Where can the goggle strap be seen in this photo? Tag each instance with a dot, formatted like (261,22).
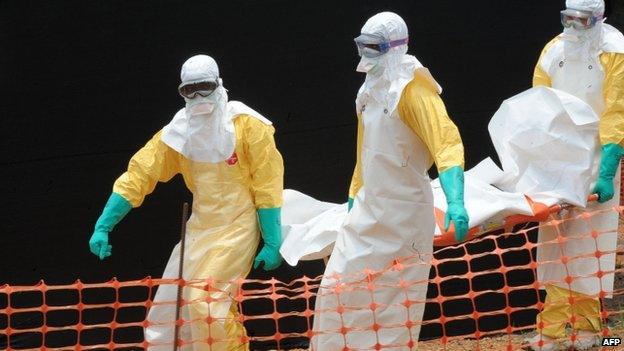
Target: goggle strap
(399,42)
(391,44)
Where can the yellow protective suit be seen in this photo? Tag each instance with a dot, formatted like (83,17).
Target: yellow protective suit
(586,309)
(421,108)
(222,233)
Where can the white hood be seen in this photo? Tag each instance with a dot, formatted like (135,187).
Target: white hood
(388,74)
(203,130)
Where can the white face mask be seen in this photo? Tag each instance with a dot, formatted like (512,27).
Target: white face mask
(205,108)
(370,66)
(575,35)
(200,105)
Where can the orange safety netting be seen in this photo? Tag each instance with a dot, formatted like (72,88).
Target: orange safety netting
(486,287)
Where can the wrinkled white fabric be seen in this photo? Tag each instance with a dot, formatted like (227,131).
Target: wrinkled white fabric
(195,145)
(612,39)
(314,226)
(203,131)
(543,138)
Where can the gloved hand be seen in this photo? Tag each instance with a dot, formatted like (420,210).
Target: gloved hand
(115,210)
(452,181)
(609,162)
(350,204)
(271,229)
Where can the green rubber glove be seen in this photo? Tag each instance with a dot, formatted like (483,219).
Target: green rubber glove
(452,181)
(350,204)
(115,210)
(271,229)
(609,162)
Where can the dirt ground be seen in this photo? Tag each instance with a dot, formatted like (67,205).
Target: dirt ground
(494,343)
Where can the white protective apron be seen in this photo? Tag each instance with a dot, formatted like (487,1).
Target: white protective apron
(392,217)
(585,80)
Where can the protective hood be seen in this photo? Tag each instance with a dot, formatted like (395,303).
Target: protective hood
(582,44)
(596,7)
(611,41)
(203,130)
(589,44)
(388,74)
(585,45)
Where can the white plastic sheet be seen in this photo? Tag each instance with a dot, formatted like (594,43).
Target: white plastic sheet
(547,141)
(309,227)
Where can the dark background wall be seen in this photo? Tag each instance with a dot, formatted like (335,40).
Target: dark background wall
(84,84)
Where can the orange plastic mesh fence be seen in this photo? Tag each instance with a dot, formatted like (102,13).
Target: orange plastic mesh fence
(486,287)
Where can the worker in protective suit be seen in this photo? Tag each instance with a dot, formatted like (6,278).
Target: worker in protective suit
(403,127)
(227,156)
(587,61)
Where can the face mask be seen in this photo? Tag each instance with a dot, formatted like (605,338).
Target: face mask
(370,66)
(574,35)
(205,108)
(200,105)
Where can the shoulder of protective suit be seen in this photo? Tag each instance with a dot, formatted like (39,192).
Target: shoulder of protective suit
(157,140)
(420,86)
(180,112)
(612,40)
(237,108)
(552,42)
(552,51)
(177,119)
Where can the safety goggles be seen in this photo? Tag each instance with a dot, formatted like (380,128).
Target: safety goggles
(204,89)
(374,46)
(580,20)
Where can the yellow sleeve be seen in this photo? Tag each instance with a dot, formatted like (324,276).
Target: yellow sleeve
(540,77)
(422,109)
(356,180)
(612,120)
(155,162)
(265,163)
